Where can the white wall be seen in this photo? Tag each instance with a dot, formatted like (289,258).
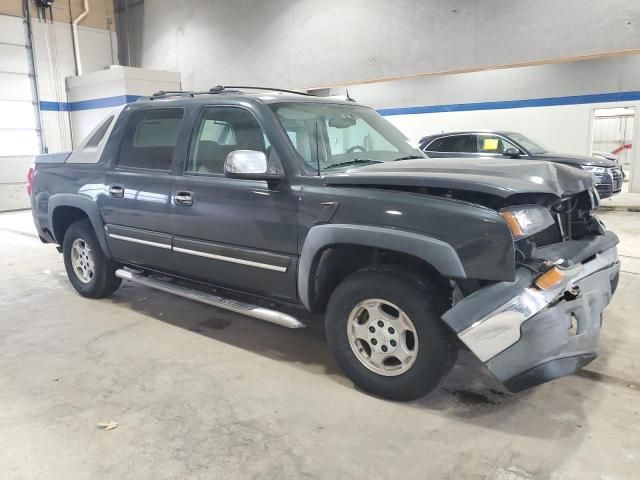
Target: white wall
(562,128)
(475,100)
(18,125)
(307,43)
(116,83)
(13,174)
(129,24)
(55,61)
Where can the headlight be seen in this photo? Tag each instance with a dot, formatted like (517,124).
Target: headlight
(594,169)
(525,220)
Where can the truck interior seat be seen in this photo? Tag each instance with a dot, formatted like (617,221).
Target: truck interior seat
(210,157)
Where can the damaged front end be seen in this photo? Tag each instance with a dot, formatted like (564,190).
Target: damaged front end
(546,323)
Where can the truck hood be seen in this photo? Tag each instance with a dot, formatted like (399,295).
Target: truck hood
(577,160)
(500,177)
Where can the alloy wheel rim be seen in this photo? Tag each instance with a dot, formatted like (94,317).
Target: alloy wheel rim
(82,261)
(382,337)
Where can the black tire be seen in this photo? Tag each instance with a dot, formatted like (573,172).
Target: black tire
(103,281)
(422,302)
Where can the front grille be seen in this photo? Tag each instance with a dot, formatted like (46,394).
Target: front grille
(616,178)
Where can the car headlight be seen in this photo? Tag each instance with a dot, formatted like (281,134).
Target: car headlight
(593,169)
(526,220)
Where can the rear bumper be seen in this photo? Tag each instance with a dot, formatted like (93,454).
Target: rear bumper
(526,336)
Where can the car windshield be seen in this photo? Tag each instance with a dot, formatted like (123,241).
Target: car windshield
(534,148)
(333,136)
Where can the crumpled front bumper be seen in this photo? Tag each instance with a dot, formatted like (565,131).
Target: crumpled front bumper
(526,336)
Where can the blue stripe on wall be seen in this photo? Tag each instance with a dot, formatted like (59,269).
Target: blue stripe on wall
(88,104)
(455,107)
(54,106)
(531,102)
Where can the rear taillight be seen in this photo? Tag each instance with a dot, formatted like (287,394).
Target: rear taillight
(30,178)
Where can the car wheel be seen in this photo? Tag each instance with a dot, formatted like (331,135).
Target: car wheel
(383,326)
(90,272)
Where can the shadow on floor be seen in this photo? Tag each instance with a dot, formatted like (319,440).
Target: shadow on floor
(469,394)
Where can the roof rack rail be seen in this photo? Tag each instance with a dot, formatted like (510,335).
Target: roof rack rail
(270,89)
(168,93)
(215,90)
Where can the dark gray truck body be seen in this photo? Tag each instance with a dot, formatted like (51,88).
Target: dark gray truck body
(273,239)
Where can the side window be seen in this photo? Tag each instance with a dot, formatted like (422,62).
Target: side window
(150,139)
(458,143)
(218,132)
(97,137)
(493,144)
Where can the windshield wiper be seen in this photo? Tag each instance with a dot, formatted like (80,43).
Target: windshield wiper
(355,161)
(408,157)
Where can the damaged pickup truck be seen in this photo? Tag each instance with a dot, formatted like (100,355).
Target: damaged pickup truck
(277,205)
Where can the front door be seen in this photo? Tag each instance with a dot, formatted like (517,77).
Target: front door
(137,205)
(235,233)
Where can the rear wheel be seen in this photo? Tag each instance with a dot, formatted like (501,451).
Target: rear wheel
(90,272)
(384,328)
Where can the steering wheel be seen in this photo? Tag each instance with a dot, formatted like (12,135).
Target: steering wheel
(355,148)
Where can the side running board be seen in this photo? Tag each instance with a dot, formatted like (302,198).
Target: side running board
(242,308)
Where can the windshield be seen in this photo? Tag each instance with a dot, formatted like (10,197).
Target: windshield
(534,148)
(332,136)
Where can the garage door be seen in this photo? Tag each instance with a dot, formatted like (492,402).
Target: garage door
(19,139)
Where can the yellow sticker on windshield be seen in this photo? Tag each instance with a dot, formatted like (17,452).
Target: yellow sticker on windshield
(490,144)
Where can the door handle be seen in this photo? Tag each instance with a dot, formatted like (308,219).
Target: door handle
(116,191)
(183,198)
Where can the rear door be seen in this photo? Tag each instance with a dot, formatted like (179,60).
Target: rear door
(137,206)
(235,233)
(462,145)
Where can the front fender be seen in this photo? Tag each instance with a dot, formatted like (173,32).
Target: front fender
(437,253)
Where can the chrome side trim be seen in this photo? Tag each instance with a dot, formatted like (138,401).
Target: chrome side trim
(247,309)
(223,258)
(142,242)
(500,329)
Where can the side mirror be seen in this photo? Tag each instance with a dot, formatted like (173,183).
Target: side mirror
(511,152)
(250,165)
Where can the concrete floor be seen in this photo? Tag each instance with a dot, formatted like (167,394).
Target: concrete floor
(199,393)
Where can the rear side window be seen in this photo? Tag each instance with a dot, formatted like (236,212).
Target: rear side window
(457,143)
(150,139)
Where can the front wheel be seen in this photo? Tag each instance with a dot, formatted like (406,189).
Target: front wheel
(384,329)
(90,272)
